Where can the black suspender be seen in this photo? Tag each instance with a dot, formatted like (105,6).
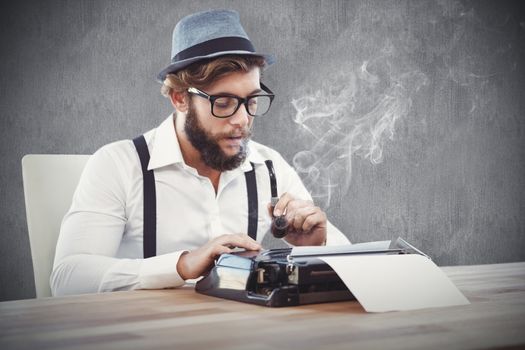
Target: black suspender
(251,189)
(273,180)
(150,201)
(253,210)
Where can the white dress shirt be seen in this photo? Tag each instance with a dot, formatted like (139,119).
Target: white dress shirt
(100,244)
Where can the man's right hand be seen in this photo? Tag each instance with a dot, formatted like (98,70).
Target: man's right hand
(195,263)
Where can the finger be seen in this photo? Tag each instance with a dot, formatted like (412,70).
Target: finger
(220,249)
(313,220)
(281,205)
(297,204)
(298,216)
(238,240)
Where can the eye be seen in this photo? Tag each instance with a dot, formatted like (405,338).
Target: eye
(225,102)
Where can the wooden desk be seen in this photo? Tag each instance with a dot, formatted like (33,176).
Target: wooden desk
(183,319)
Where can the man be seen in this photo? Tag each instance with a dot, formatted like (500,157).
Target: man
(156,211)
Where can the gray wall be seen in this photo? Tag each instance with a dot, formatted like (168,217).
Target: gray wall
(405,118)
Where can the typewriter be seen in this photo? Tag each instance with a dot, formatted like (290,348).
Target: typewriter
(289,276)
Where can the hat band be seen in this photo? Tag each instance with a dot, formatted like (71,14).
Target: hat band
(229,43)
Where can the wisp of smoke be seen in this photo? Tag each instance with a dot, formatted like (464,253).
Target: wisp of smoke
(352,113)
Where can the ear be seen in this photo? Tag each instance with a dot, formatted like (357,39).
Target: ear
(180,101)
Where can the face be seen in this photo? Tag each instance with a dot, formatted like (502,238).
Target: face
(222,142)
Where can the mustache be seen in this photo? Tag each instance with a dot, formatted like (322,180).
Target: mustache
(243,133)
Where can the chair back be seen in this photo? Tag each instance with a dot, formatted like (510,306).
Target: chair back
(49,183)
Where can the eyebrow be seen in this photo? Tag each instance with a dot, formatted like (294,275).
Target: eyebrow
(230,94)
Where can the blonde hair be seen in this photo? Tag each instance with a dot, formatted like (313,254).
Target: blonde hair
(200,75)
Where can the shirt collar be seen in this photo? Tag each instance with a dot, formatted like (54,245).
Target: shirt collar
(253,157)
(166,150)
(165,146)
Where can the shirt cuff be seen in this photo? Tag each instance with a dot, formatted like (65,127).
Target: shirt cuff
(160,271)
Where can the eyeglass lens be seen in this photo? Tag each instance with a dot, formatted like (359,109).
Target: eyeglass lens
(226,106)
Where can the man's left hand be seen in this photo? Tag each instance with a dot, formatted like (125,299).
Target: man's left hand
(306,222)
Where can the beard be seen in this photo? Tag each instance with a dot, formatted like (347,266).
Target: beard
(208,145)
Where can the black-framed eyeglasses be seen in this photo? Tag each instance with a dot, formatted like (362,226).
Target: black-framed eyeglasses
(225,105)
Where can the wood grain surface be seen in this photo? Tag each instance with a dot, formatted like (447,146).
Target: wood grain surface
(183,319)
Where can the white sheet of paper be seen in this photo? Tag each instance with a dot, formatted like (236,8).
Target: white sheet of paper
(337,249)
(395,282)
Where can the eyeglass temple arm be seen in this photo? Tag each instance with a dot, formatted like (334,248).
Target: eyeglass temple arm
(266,88)
(198,92)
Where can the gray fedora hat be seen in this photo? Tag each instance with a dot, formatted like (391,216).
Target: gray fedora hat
(209,34)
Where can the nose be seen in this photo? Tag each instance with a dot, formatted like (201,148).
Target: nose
(240,117)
